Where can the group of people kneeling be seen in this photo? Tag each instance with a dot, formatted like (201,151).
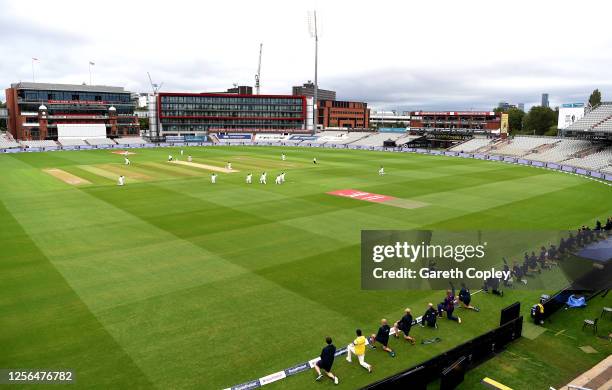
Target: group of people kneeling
(382,336)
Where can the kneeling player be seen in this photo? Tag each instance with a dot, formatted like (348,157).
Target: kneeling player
(430,317)
(382,336)
(357,348)
(328,353)
(404,325)
(465,297)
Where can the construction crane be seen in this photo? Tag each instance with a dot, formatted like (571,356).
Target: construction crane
(258,75)
(154,87)
(153,125)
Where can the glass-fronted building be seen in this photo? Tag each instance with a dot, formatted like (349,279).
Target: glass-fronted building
(68,104)
(200,113)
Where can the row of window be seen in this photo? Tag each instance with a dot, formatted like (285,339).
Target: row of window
(235,114)
(226,107)
(230,100)
(244,122)
(193,127)
(71,95)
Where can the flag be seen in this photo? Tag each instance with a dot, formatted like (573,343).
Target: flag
(91,63)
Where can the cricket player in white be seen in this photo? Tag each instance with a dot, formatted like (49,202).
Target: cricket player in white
(249,178)
(314,160)
(181,152)
(121,180)
(262,178)
(169,157)
(213,178)
(381,171)
(127,161)
(277,180)
(229,166)
(189,159)
(283,157)
(282,177)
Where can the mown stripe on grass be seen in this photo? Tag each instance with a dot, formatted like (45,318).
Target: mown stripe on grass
(46,324)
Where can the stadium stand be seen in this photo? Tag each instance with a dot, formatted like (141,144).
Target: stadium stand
(71,142)
(332,137)
(562,150)
(377,139)
(595,161)
(234,141)
(7,142)
(100,141)
(472,145)
(271,137)
(38,144)
(520,146)
(594,120)
(404,139)
(131,141)
(352,137)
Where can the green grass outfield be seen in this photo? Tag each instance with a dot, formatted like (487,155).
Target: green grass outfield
(172,282)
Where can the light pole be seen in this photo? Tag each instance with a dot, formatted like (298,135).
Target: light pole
(90,65)
(34,59)
(315,34)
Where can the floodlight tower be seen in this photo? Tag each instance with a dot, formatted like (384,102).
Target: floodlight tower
(153,114)
(314,33)
(258,75)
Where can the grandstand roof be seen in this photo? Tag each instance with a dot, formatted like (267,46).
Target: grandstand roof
(68,87)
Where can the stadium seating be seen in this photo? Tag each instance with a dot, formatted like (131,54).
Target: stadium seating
(472,145)
(595,161)
(71,142)
(404,139)
(601,115)
(100,141)
(38,144)
(377,139)
(351,137)
(332,137)
(562,150)
(520,146)
(7,142)
(131,141)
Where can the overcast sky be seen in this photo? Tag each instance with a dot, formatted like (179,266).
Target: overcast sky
(393,54)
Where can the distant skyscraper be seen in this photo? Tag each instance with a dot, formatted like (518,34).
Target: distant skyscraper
(545,100)
(503,105)
(521,106)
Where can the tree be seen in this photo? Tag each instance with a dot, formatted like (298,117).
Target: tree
(144,123)
(515,119)
(595,98)
(539,120)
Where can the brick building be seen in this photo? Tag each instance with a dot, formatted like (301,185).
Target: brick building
(471,121)
(37,110)
(336,113)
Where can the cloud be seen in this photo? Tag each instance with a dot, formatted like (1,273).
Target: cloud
(404,55)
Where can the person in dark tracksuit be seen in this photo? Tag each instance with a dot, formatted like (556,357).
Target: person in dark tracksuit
(449,306)
(430,317)
(465,297)
(404,325)
(382,337)
(328,353)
